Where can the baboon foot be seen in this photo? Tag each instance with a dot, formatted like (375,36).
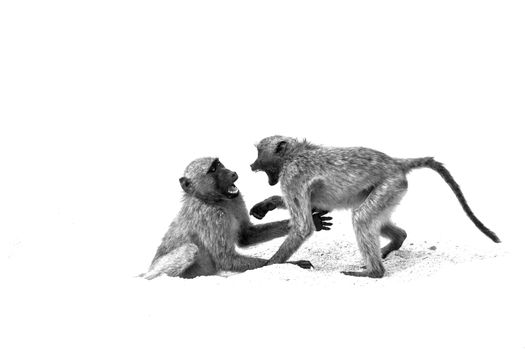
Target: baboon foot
(396,235)
(303,264)
(385,252)
(371,274)
(389,248)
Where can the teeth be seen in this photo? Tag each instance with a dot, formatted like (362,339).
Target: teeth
(233,189)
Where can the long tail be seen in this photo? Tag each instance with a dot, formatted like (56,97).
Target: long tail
(429,162)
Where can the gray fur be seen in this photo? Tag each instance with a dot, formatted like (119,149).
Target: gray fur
(367,181)
(202,239)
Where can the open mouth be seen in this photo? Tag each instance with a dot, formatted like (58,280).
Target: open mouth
(233,189)
(272,179)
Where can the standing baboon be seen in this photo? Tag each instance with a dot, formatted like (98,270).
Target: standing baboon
(212,221)
(367,181)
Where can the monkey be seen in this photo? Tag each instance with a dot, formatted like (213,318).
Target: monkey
(368,182)
(212,221)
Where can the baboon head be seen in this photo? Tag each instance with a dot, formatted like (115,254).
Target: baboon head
(208,179)
(271,154)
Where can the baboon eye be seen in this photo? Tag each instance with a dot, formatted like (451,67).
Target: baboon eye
(280,147)
(214,166)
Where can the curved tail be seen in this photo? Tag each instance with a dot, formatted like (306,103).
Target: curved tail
(429,162)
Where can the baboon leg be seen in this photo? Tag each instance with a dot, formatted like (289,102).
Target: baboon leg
(203,265)
(367,236)
(241,263)
(173,263)
(368,219)
(395,234)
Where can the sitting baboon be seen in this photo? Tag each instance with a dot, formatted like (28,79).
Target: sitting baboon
(367,181)
(212,221)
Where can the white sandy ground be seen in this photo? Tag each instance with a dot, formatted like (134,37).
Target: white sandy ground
(467,293)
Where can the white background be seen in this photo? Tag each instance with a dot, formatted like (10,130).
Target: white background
(104,103)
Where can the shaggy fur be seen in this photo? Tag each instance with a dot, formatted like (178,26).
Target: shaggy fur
(211,223)
(367,181)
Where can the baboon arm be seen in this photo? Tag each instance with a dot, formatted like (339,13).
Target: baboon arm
(290,245)
(278,201)
(301,224)
(260,209)
(174,262)
(254,234)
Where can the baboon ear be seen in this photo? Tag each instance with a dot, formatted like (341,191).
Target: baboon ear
(281,147)
(185,183)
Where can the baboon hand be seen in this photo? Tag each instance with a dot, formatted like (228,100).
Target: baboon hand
(303,264)
(260,209)
(321,221)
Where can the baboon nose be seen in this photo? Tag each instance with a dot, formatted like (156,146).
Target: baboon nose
(253,167)
(235,176)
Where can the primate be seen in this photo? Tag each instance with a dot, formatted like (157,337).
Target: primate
(212,221)
(364,180)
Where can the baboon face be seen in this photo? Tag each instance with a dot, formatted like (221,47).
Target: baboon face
(208,178)
(224,179)
(270,157)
